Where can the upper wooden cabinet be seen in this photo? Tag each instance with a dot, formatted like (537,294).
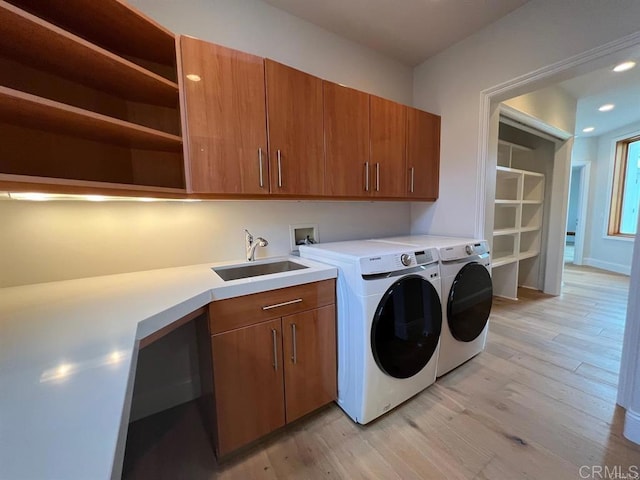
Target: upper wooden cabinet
(294,119)
(387,174)
(423,154)
(346,137)
(97,110)
(225,112)
(111,107)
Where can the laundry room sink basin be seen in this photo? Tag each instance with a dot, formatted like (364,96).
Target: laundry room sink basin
(236,272)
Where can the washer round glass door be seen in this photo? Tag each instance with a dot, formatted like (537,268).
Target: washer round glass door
(406,327)
(469,302)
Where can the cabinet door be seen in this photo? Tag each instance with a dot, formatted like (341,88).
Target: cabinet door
(226,119)
(346,137)
(388,141)
(294,111)
(309,360)
(423,154)
(248,383)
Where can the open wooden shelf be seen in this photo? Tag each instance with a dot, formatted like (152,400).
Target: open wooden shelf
(40,44)
(528,254)
(506,172)
(110,24)
(518,220)
(505,231)
(504,260)
(30,111)
(26,183)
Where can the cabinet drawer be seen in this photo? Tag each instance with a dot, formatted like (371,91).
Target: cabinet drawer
(249,309)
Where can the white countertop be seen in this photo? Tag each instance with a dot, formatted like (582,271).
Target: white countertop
(67,353)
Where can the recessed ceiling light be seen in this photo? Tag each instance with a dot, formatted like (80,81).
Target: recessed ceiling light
(607,107)
(624,66)
(193,77)
(588,129)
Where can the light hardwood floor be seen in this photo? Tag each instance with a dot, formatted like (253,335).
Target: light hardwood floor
(538,404)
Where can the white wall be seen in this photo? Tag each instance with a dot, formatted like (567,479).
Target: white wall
(539,34)
(600,250)
(47,241)
(553,105)
(259,28)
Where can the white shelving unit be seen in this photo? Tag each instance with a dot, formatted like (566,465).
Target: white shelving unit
(517,232)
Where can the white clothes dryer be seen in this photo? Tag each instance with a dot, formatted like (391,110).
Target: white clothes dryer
(389,322)
(467,290)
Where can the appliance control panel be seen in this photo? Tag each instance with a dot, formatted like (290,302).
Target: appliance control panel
(464,250)
(393,262)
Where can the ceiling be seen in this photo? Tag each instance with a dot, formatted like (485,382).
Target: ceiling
(600,87)
(407,30)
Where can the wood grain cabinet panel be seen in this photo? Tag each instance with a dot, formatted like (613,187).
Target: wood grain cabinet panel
(248,383)
(423,154)
(242,311)
(346,137)
(226,119)
(83,115)
(388,145)
(309,360)
(294,118)
(270,372)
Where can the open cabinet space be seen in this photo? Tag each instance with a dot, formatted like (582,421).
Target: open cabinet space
(524,162)
(93,111)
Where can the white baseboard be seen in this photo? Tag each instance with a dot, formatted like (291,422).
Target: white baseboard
(632,426)
(612,267)
(154,401)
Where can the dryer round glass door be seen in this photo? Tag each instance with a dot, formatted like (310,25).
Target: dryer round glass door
(406,327)
(469,302)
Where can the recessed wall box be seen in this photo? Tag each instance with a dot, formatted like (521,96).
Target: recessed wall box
(302,234)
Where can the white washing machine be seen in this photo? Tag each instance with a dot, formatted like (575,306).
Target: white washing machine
(467,290)
(389,322)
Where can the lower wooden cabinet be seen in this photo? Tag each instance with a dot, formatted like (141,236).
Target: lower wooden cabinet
(248,384)
(309,360)
(273,372)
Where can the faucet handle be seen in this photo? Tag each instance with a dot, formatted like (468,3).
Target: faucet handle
(248,235)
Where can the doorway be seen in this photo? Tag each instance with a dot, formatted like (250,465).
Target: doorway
(577,212)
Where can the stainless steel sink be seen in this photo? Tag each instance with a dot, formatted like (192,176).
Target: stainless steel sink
(235,272)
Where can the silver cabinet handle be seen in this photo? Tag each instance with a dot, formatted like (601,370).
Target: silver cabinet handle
(290,302)
(260,166)
(294,341)
(279,169)
(377,177)
(274,335)
(413,171)
(366,176)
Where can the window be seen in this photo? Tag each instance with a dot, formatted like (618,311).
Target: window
(625,197)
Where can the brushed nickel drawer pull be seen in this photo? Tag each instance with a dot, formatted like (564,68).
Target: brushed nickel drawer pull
(413,171)
(279,169)
(377,177)
(290,302)
(295,349)
(260,163)
(366,176)
(274,335)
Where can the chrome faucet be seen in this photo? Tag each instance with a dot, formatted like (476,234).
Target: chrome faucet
(251,246)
